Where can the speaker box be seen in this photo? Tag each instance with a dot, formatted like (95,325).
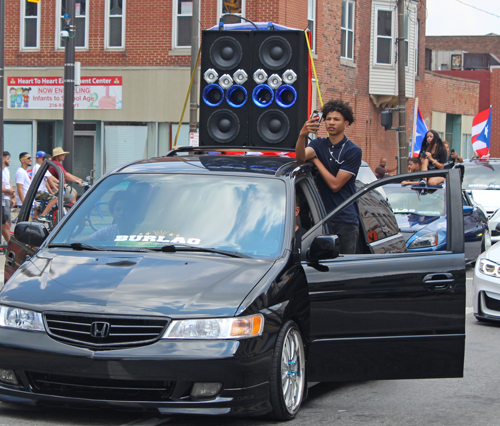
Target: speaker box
(255,88)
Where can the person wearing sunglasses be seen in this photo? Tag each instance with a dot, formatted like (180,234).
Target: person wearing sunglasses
(23,180)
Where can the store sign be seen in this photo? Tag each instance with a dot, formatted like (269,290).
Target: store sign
(48,93)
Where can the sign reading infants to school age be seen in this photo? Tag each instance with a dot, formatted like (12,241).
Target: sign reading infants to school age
(48,93)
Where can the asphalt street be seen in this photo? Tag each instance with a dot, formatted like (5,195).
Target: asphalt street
(473,400)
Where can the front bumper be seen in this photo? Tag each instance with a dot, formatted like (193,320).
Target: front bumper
(486,295)
(157,377)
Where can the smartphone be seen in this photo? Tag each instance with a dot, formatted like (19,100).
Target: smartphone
(317,113)
(452,151)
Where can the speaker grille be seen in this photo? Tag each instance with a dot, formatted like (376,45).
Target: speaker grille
(223,126)
(226,53)
(275,52)
(273,126)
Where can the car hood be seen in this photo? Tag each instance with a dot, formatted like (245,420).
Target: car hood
(489,199)
(493,253)
(171,284)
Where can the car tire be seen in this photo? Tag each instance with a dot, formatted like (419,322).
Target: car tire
(288,373)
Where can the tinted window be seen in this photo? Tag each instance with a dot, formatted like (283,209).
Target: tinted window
(378,220)
(483,175)
(414,200)
(224,212)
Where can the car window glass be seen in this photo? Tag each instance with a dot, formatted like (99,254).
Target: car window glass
(244,215)
(482,175)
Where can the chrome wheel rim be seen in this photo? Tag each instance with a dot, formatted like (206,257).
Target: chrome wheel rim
(292,370)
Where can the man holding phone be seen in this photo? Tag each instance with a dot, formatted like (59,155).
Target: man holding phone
(453,157)
(338,160)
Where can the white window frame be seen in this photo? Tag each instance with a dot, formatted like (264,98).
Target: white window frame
(311,18)
(348,30)
(377,10)
(23,28)
(175,15)
(59,46)
(107,25)
(219,9)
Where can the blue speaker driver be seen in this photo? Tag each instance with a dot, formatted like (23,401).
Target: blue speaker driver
(236,96)
(263,95)
(286,96)
(213,95)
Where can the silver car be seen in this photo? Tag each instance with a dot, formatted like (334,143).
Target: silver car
(486,285)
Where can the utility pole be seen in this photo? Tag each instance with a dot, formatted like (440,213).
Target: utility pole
(69,84)
(2,65)
(193,108)
(402,142)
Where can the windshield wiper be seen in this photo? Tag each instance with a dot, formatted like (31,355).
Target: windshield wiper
(77,246)
(171,248)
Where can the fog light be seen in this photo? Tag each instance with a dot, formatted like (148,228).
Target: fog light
(8,376)
(205,390)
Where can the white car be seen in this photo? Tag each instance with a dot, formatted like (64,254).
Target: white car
(486,285)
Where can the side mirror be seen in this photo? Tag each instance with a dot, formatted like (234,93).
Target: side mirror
(497,228)
(468,210)
(31,233)
(323,247)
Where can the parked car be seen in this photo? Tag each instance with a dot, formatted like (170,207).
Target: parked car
(482,180)
(486,285)
(421,214)
(177,284)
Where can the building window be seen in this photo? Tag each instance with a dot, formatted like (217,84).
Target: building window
(384,37)
(311,21)
(115,24)
(182,23)
(233,7)
(347,30)
(81,24)
(30,26)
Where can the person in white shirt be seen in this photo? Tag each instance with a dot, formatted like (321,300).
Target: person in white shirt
(7,195)
(23,180)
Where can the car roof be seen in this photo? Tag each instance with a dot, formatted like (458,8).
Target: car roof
(208,162)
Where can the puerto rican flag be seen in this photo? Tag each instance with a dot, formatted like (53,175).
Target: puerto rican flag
(421,131)
(481,128)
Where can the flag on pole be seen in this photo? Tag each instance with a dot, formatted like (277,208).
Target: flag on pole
(420,132)
(481,127)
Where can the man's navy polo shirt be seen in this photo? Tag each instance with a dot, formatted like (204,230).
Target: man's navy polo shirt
(346,156)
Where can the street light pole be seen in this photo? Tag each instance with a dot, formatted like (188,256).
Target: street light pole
(193,108)
(69,86)
(2,65)
(402,144)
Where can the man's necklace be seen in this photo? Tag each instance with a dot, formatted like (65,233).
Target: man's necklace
(340,153)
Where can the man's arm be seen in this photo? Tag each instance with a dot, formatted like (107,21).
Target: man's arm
(335,183)
(457,158)
(72,178)
(7,191)
(20,191)
(302,152)
(51,184)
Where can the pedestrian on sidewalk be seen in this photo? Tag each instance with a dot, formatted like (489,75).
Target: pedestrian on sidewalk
(8,194)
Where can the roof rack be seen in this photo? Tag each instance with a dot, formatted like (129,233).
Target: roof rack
(234,150)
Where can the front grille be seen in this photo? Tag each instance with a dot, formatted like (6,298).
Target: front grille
(104,331)
(103,389)
(492,304)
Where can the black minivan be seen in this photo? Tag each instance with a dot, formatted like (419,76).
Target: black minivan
(177,284)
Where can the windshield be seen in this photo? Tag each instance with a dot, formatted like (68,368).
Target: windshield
(426,202)
(482,176)
(238,214)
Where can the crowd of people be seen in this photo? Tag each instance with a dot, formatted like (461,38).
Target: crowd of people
(47,192)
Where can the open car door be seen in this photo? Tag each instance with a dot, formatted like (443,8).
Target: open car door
(390,314)
(18,251)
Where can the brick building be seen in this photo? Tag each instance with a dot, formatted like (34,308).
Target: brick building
(475,58)
(135,73)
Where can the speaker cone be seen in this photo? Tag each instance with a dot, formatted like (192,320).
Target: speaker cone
(226,53)
(275,52)
(286,96)
(273,126)
(223,126)
(236,96)
(213,95)
(262,95)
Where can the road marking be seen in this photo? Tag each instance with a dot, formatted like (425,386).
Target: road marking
(149,422)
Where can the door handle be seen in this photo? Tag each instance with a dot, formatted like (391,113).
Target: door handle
(440,281)
(10,259)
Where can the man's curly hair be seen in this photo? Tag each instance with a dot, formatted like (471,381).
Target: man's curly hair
(341,107)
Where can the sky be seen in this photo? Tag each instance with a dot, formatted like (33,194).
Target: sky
(455,17)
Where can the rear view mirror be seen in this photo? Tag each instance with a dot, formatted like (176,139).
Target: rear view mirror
(468,210)
(324,247)
(31,233)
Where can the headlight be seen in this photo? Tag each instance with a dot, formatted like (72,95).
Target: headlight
(216,328)
(21,318)
(487,267)
(427,240)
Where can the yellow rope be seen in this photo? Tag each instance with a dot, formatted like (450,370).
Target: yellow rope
(314,69)
(187,97)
